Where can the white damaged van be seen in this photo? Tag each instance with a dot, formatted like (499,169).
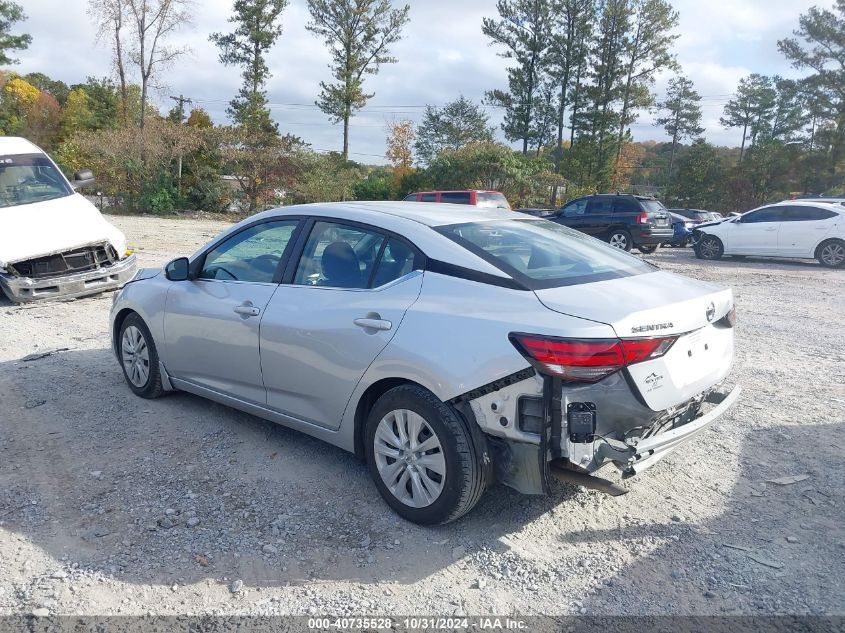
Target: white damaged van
(53,242)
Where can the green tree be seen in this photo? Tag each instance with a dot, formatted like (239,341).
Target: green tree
(647,52)
(200,119)
(358,33)
(104,102)
(55,87)
(682,118)
(750,109)
(700,177)
(258,28)
(456,124)
(10,14)
(819,46)
(571,33)
(76,115)
(523,31)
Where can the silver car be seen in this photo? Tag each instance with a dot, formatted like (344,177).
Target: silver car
(449,349)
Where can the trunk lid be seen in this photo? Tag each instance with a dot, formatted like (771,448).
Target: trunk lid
(659,304)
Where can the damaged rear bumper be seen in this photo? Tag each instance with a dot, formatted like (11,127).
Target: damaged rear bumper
(23,289)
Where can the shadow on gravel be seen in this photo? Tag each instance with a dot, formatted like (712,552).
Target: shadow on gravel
(779,541)
(181,489)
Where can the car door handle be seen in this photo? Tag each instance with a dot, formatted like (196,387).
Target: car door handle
(247,310)
(771,228)
(373,324)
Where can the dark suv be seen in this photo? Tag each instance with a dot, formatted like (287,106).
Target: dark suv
(624,220)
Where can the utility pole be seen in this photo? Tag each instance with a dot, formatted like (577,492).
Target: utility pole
(181,100)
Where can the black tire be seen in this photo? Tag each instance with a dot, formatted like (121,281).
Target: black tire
(621,239)
(709,247)
(831,253)
(648,250)
(151,387)
(465,473)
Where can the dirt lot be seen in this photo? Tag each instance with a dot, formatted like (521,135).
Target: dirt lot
(110,504)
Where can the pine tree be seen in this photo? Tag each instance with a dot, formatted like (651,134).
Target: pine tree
(682,117)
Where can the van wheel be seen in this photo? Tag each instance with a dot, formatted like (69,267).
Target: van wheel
(709,247)
(422,457)
(619,238)
(831,254)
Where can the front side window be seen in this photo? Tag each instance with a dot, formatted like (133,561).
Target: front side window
(338,256)
(411,198)
(428,197)
(772,214)
(455,197)
(29,178)
(575,209)
(253,255)
(542,254)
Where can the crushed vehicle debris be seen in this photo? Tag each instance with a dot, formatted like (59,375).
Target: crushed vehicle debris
(53,242)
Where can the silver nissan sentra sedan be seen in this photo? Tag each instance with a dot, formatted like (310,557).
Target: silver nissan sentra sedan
(450,348)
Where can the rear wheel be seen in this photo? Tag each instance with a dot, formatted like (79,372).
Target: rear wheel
(709,247)
(139,358)
(647,249)
(831,254)
(422,457)
(620,238)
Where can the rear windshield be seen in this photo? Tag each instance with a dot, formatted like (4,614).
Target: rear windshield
(541,254)
(487,200)
(652,206)
(28,178)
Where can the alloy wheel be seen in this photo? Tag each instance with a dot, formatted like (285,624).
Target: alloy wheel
(709,248)
(619,240)
(135,356)
(833,254)
(409,458)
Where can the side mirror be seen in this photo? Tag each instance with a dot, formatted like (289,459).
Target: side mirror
(177,270)
(82,178)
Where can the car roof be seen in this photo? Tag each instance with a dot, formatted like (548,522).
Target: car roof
(833,206)
(427,213)
(11,145)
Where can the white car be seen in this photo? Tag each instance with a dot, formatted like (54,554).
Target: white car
(797,228)
(449,349)
(53,242)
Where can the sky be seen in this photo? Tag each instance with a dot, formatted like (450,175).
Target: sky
(442,54)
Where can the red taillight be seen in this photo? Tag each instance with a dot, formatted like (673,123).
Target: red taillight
(642,218)
(588,360)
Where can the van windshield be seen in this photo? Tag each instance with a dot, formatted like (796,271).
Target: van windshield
(28,178)
(541,254)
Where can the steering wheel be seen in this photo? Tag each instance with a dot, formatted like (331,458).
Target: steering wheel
(214,270)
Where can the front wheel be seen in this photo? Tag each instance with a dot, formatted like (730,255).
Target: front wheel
(648,250)
(139,358)
(422,457)
(831,254)
(620,239)
(709,247)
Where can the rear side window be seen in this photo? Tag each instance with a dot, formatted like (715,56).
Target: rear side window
(487,200)
(599,205)
(428,197)
(455,197)
(338,256)
(397,260)
(626,205)
(807,214)
(542,254)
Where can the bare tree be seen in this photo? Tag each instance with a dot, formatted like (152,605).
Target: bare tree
(110,18)
(152,22)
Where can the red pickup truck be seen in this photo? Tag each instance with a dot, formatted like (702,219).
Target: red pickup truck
(473,197)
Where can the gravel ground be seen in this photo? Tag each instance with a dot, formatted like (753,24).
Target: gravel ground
(110,504)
